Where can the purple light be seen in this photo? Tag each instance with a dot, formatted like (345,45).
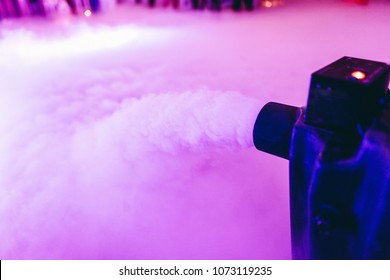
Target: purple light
(128,136)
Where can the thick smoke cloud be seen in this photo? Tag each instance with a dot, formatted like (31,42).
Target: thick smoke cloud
(130,136)
(91,157)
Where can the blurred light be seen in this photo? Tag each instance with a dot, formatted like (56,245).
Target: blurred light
(358,75)
(87,13)
(26,47)
(267,4)
(272,3)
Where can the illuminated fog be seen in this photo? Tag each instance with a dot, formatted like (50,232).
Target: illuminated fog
(128,135)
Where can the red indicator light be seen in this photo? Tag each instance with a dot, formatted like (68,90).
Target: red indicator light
(358,75)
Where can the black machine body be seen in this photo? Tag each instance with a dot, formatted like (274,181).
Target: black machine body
(339,152)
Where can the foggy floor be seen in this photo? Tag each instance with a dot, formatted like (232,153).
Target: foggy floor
(128,135)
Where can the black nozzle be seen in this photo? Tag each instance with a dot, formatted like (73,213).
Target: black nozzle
(273,128)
